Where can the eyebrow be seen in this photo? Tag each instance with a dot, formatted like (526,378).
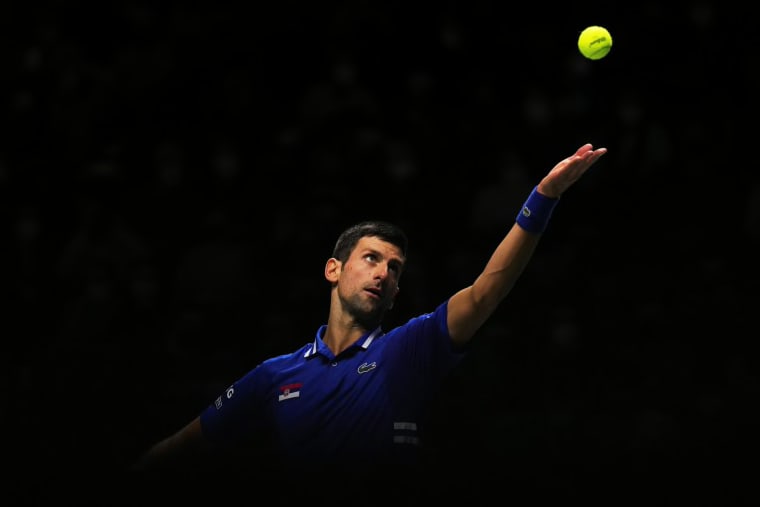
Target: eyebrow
(397,260)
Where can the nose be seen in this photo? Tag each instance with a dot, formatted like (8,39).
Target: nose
(381,272)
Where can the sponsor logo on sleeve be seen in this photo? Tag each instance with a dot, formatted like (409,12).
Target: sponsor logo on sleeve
(228,394)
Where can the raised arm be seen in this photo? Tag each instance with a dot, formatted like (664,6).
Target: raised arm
(469,308)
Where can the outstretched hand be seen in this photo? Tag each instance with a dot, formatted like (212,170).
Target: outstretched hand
(569,170)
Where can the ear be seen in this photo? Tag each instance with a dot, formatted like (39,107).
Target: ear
(332,270)
(393,301)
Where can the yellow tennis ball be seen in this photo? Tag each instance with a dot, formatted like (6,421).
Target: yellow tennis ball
(595,42)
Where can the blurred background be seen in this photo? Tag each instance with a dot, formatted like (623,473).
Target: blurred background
(173,177)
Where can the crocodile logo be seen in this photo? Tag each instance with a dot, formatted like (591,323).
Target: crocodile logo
(365,367)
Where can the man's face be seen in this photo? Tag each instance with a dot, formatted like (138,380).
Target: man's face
(368,281)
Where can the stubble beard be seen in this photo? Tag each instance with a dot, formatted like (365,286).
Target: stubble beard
(369,314)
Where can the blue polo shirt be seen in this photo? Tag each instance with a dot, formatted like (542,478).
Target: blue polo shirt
(367,404)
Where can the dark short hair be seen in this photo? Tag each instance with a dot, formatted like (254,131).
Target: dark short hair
(386,231)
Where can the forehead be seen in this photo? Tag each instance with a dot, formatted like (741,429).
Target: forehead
(375,244)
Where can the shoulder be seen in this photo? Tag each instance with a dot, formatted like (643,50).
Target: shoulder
(287,359)
(431,325)
(257,380)
(435,320)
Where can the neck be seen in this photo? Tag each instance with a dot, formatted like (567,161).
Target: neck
(342,333)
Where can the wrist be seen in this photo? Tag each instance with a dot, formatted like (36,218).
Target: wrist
(536,211)
(547,190)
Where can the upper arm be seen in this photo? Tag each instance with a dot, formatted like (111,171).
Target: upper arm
(463,318)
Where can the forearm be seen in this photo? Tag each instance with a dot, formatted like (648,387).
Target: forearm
(512,255)
(504,268)
(158,455)
(469,308)
(174,449)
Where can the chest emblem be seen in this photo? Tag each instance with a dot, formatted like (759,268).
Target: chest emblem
(290,391)
(365,367)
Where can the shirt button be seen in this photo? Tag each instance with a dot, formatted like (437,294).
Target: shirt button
(334,363)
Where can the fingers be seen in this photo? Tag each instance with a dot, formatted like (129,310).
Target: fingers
(586,156)
(569,170)
(587,150)
(595,155)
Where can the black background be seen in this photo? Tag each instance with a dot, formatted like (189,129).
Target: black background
(173,177)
